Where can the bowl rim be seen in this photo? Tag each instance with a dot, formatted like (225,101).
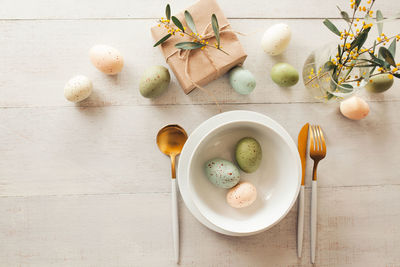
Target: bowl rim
(280,132)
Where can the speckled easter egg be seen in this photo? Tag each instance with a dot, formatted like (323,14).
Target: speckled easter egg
(222,173)
(78,88)
(379,83)
(284,74)
(248,154)
(354,108)
(242,195)
(242,80)
(107,59)
(154,81)
(276,38)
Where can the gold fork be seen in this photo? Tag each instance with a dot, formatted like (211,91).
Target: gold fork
(317,153)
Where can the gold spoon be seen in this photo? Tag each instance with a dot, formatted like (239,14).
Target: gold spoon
(170,141)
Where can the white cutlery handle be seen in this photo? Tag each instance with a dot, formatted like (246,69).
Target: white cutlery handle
(313,219)
(300,222)
(175,220)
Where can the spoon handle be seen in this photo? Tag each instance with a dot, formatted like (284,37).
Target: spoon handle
(175,220)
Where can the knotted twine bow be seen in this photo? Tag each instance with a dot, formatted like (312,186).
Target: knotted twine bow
(185,55)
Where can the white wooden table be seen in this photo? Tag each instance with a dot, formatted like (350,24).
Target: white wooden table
(86,185)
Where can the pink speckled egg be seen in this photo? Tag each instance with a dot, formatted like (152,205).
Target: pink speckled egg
(354,108)
(242,195)
(107,59)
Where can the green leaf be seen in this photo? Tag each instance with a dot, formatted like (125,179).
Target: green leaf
(387,56)
(189,45)
(190,22)
(178,24)
(379,17)
(397,75)
(162,40)
(168,12)
(360,39)
(392,47)
(357,4)
(331,27)
(215,27)
(339,50)
(379,61)
(328,65)
(345,87)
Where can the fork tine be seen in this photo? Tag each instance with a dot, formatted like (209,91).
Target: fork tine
(312,138)
(322,139)
(319,145)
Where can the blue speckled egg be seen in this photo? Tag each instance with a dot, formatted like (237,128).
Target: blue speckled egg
(222,173)
(242,80)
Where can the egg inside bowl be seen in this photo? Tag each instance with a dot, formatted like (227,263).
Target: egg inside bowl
(277,180)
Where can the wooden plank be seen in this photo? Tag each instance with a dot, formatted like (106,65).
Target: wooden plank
(112,150)
(356,227)
(38,57)
(47,9)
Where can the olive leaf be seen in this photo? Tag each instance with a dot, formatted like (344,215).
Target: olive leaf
(357,4)
(168,12)
(339,50)
(344,15)
(345,87)
(379,17)
(387,56)
(331,27)
(328,65)
(162,40)
(360,39)
(397,75)
(379,61)
(189,45)
(392,47)
(190,22)
(178,24)
(215,27)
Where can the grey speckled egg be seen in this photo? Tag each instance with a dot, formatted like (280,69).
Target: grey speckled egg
(154,81)
(284,75)
(222,173)
(242,80)
(248,154)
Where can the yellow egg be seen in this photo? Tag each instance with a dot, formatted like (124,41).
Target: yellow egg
(354,108)
(106,59)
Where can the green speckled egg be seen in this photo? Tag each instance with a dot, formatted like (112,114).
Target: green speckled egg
(284,75)
(379,83)
(154,81)
(248,154)
(222,173)
(242,80)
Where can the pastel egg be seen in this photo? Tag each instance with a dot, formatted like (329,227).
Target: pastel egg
(242,80)
(222,173)
(276,38)
(242,195)
(155,80)
(78,88)
(284,75)
(379,83)
(354,108)
(248,154)
(107,59)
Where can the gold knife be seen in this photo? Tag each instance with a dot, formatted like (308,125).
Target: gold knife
(302,146)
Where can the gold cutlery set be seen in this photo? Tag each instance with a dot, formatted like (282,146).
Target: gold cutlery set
(317,153)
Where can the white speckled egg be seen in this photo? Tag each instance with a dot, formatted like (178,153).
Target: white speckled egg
(276,38)
(354,108)
(222,173)
(242,80)
(107,59)
(242,195)
(78,88)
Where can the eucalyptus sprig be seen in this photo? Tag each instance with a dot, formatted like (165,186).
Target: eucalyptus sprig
(349,53)
(176,27)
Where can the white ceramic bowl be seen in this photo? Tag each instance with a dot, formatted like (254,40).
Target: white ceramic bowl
(277,180)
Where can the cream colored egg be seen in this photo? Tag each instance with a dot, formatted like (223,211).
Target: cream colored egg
(242,195)
(354,108)
(107,59)
(276,38)
(78,88)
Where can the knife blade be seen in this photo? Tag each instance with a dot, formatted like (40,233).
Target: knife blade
(302,147)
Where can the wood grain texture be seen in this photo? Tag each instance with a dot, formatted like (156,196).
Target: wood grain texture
(44,55)
(356,227)
(65,9)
